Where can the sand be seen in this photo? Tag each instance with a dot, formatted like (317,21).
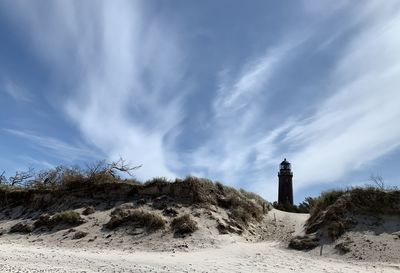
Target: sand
(205,251)
(237,257)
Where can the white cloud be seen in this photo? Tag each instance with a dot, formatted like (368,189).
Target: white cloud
(252,80)
(357,124)
(55,147)
(36,163)
(351,128)
(128,67)
(237,144)
(16,92)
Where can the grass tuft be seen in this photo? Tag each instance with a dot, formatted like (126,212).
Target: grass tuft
(136,218)
(66,218)
(184,225)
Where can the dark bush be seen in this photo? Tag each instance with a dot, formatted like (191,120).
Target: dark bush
(304,207)
(161,202)
(43,221)
(21,228)
(170,212)
(79,235)
(88,210)
(157,181)
(304,242)
(343,248)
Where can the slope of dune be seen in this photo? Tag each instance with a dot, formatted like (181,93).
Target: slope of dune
(354,224)
(130,228)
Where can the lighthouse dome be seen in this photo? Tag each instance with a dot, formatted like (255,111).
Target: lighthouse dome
(285,165)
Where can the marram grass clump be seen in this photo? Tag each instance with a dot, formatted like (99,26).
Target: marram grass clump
(135,218)
(184,224)
(66,218)
(336,211)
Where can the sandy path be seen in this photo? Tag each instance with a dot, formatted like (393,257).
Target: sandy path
(240,257)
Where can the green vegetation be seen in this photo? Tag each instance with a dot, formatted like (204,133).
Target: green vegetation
(303,207)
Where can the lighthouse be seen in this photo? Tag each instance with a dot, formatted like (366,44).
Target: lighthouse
(285,188)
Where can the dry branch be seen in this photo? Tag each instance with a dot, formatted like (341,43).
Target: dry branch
(21,177)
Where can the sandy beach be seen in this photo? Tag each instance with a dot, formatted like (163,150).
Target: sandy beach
(237,257)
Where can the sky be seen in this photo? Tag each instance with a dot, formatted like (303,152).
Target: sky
(217,89)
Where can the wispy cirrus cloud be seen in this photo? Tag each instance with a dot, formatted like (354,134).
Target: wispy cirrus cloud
(15,91)
(319,89)
(237,140)
(238,93)
(126,67)
(35,162)
(56,147)
(350,127)
(356,125)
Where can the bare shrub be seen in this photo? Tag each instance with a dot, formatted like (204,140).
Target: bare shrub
(59,176)
(111,169)
(21,178)
(378,181)
(3,179)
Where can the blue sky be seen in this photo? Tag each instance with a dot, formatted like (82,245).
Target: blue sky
(218,89)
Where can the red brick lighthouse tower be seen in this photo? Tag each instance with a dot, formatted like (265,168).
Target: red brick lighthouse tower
(285,191)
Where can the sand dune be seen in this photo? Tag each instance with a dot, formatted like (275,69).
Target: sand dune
(234,233)
(229,254)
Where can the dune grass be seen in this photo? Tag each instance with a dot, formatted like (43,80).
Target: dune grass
(334,209)
(66,218)
(184,225)
(67,188)
(136,218)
